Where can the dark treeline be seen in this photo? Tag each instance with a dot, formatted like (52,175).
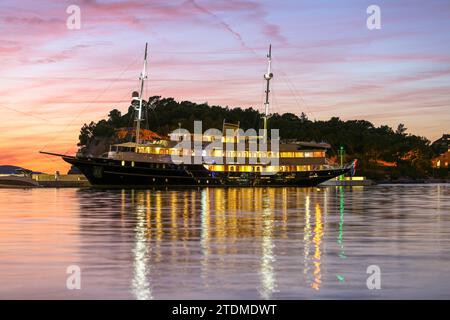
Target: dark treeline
(383,152)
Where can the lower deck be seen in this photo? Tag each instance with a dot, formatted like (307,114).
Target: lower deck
(115,173)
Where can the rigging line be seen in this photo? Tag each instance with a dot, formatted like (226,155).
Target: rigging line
(122,99)
(274,95)
(201,80)
(96,98)
(130,79)
(295,93)
(25,113)
(147,126)
(215,53)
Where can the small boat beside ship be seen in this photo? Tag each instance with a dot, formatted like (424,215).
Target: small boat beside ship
(239,159)
(20,179)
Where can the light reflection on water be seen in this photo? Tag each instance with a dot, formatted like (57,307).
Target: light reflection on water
(263,243)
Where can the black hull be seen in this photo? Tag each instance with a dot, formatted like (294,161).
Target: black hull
(112,174)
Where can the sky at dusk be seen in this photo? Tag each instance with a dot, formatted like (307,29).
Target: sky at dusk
(326,62)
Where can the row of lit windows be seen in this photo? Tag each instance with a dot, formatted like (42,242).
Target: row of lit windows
(233,154)
(242,168)
(151,165)
(247,168)
(207,138)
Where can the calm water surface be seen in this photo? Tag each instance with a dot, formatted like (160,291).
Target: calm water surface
(278,243)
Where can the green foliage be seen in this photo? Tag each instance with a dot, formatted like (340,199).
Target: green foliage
(360,138)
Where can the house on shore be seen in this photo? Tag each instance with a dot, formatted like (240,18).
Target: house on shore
(442,161)
(442,144)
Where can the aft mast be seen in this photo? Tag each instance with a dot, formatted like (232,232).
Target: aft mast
(142,78)
(268,76)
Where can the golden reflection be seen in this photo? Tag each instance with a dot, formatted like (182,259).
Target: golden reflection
(193,203)
(159,227)
(205,229)
(232,221)
(318,234)
(185,219)
(141,286)
(149,213)
(307,236)
(220,220)
(169,224)
(173,216)
(284,204)
(173,225)
(122,203)
(268,283)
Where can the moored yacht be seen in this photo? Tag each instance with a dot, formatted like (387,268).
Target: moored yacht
(213,158)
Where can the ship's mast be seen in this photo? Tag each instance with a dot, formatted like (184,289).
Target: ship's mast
(143,77)
(268,76)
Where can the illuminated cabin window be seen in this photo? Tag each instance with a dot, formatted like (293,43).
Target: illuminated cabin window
(178,152)
(272,154)
(228,139)
(132,163)
(217,153)
(250,168)
(123,163)
(319,154)
(287,154)
(308,154)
